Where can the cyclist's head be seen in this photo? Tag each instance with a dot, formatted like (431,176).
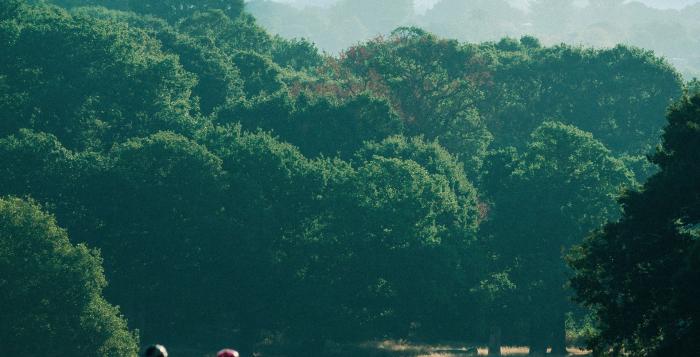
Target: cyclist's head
(156,351)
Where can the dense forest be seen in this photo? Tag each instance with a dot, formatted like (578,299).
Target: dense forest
(337,24)
(171,172)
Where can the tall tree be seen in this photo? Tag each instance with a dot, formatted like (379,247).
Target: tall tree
(639,274)
(160,202)
(271,192)
(562,186)
(432,84)
(371,273)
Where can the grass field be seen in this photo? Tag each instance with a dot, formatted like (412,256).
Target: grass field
(405,349)
(390,348)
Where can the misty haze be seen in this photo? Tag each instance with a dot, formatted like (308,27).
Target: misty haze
(669,27)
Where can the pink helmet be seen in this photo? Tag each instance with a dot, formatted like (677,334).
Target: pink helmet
(227,353)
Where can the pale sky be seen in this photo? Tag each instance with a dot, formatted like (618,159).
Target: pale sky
(422,5)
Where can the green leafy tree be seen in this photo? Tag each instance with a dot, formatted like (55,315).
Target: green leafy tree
(159,202)
(430,85)
(171,10)
(271,192)
(52,291)
(639,274)
(90,82)
(218,79)
(457,304)
(318,124)
(642,167)
(693,87)
(616,94)
(298,54)
(37,165)
(9,9)
(244,188)
(227,33)
(364,253)
(248,47)
(261,76)
(432,157)
(371,273)
(563,185)
(177,9)
(324,250)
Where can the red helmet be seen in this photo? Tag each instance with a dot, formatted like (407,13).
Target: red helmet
(227,353)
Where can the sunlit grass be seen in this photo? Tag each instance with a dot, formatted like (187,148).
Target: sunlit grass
(404,348)
(397,348)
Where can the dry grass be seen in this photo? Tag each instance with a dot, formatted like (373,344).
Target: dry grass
(391,348)
(406,349)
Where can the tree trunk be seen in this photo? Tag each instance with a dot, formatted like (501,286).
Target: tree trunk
(245,349)
(495,341)
(559,337)
(538,338)
(247,340)
(597,352)
(538,350)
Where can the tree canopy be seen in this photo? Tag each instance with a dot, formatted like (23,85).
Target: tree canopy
(52,291)
(568,183)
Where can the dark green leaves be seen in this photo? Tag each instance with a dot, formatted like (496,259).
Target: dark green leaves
(91,82)
(52,291)
(638,273)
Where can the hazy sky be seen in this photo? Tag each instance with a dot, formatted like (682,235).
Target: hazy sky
(668,4)
(422,5)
